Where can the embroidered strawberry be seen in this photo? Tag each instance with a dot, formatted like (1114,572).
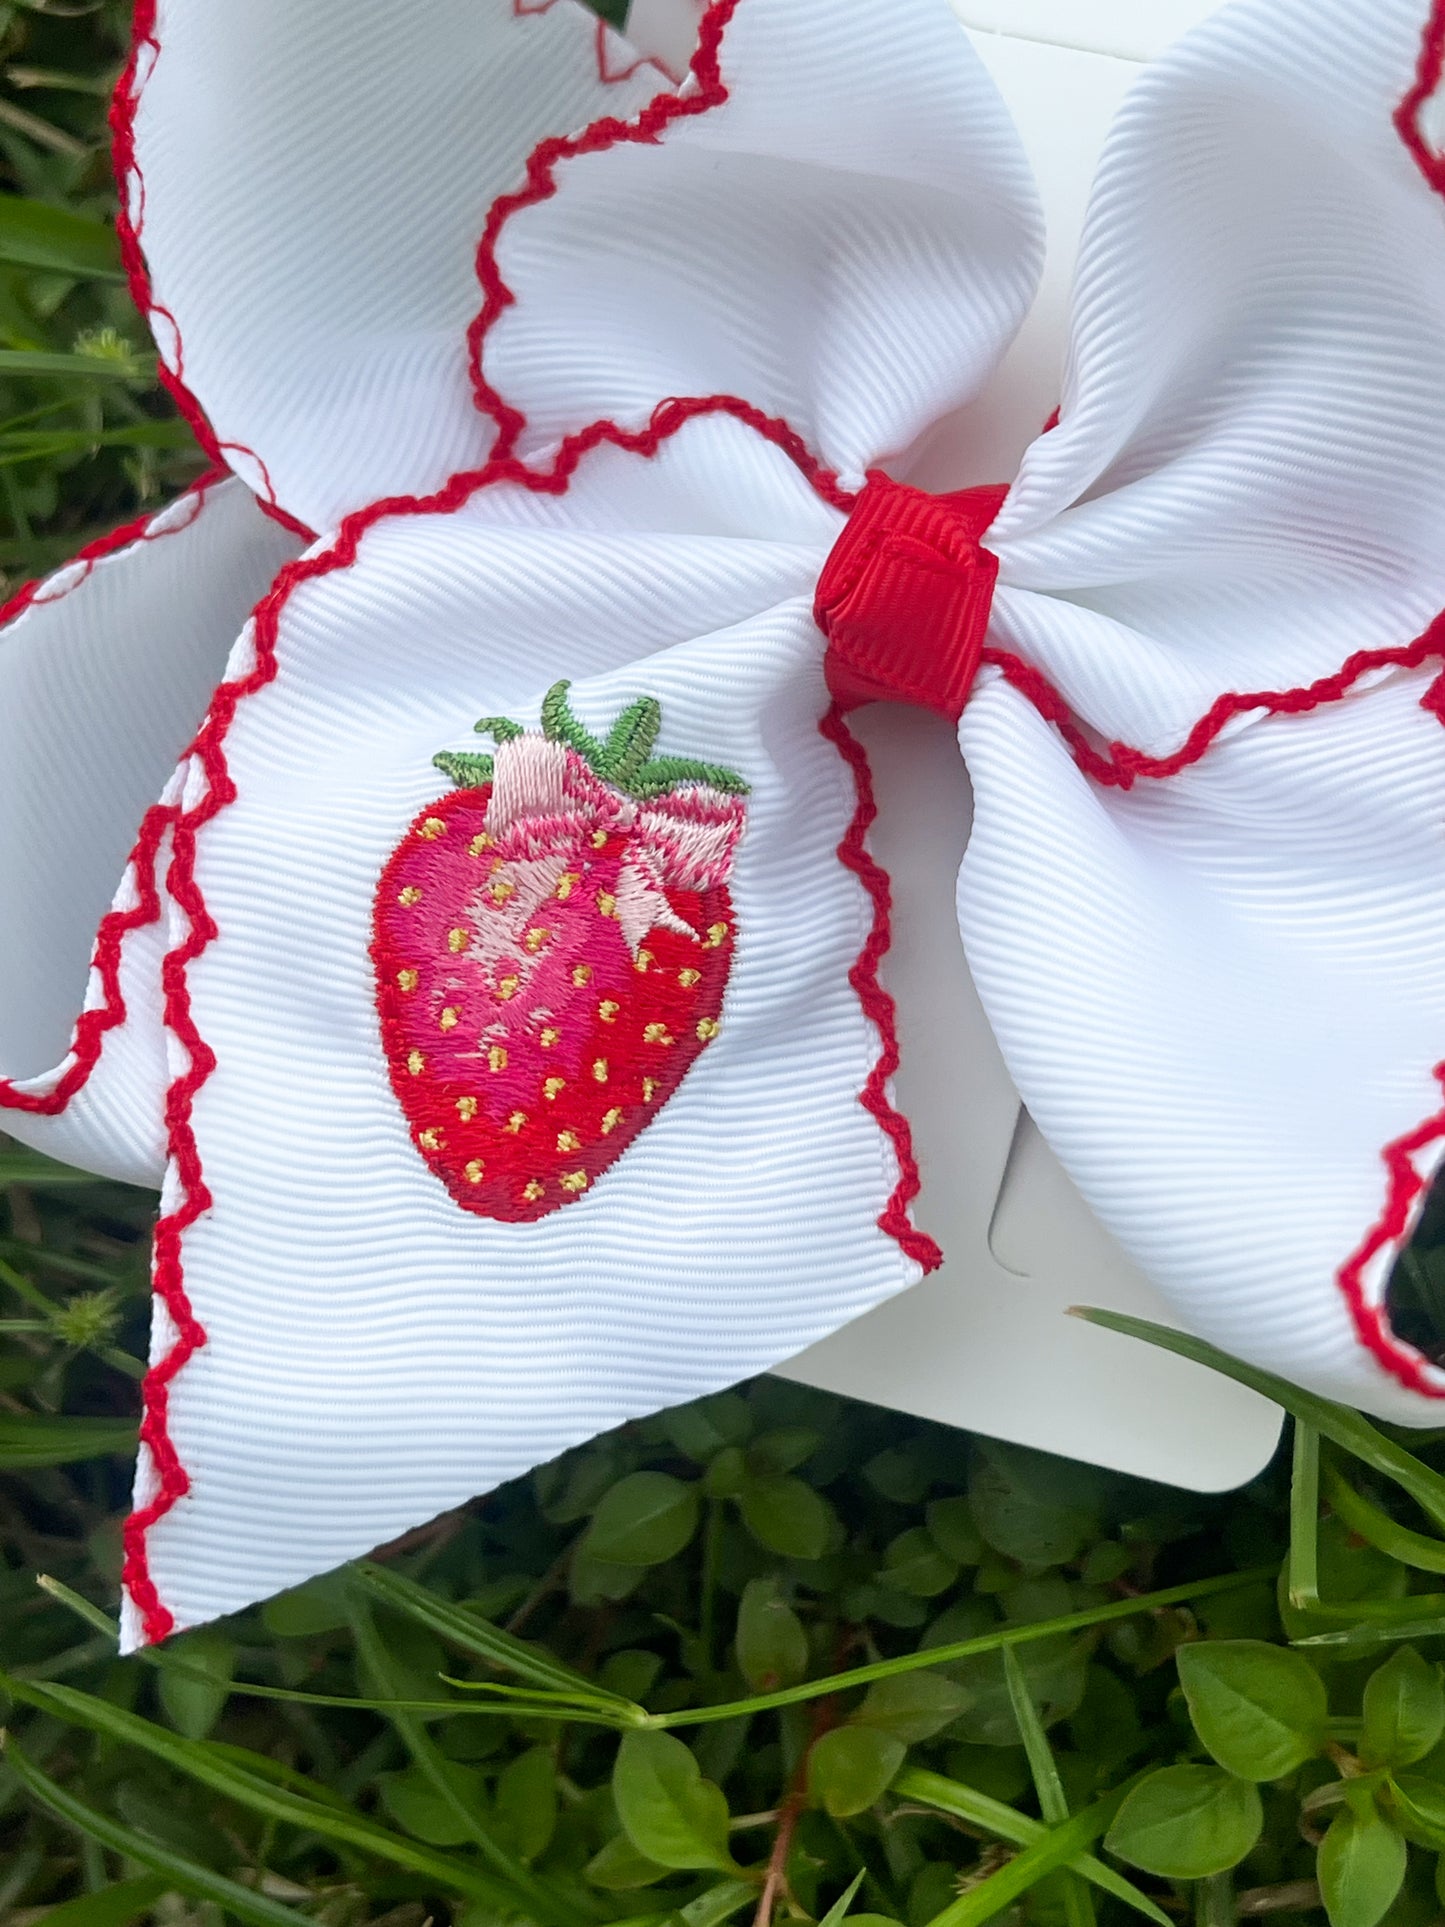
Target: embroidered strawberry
(552,942)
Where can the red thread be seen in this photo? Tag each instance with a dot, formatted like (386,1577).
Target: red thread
(92,1027)
(1408,115)
(1120,765)
(877,1003)
(672,413)
(123,108)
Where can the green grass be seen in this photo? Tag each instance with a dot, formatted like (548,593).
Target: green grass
(770,1657)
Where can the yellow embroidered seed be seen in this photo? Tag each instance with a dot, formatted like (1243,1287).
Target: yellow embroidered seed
(599,837)
(497,1058)
(611,1122)
(643,961)
(531,1192)
(606,904)
(508,987)
(649,1085)
(478,844)
(466,1109)
(574,1181)
(607,1010)
(409,896)
(599,1069)
(534,939)
(566,885)
(552,1086)
(476,1171)
(687,978)
(407,980)
(495,865)
(432,829)
(656,1034)
(430,1140)
(515,1122)
(499,892)
(451,1017)
(708,1028)
(457,940)
(549,1037)
(582,975)
(568,1141)
(416,1063)
(716,934)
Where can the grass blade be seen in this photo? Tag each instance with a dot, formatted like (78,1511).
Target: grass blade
(1352,1432)
(115,1906)
(185,1875)
(37,361)
(1057,1848)
(1018,1829)
(1053,1802)
(479,1637)
(35,235)
(27,1443)
(1370,1522)
(1000,1638)
(224,1772)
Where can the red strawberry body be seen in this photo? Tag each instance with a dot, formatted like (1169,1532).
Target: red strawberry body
(551,958)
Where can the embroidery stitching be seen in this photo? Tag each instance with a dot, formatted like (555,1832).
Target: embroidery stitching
(508,945)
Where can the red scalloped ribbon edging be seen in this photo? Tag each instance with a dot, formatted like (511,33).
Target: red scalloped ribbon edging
(853,853)
(93,1026)
(145,46)
(603,37)
(1120,765)
(1409,115)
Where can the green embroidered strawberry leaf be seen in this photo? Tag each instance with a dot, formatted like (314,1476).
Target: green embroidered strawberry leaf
(467,771)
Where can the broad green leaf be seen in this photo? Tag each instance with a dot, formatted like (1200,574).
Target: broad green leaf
(1187,1822)
(953,1529)
(912,1707)
(1360,1868)
(643,1520)
(422,1809)
(701,1430)
(193,1705)
(1014,1495)
(1404,1706)
(28,1443)
(1419,1806)
(1261,1710)
(182,1874)
(35,235)
(526,1801)
(782,1450)
(772,1647)
(1056,1672)
(849,1769)
(114,1906)
(786,1516)
(317,1607)
(671,1813)
(913,1563)
(618,1868)
(1018,1829)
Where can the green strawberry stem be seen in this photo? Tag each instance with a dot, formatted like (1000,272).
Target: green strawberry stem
(625,760)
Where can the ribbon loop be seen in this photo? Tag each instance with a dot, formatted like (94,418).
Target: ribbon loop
(904,597)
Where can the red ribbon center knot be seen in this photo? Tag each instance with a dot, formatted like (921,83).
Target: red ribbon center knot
(905,594)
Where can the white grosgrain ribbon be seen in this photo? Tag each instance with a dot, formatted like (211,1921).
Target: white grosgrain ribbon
(492,987)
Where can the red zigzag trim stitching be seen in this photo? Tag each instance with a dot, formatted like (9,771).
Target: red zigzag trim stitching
(145,47)
(93,1025)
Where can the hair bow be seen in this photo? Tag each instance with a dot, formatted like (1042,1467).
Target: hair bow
(493,987)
